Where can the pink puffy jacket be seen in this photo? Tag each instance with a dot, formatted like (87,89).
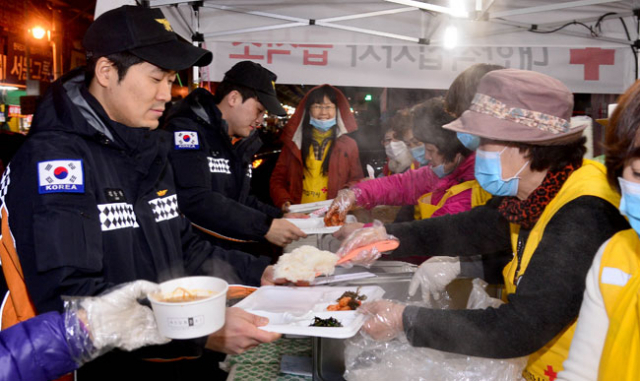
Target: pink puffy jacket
(406,188)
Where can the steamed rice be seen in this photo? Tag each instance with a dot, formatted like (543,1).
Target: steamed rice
(304,262)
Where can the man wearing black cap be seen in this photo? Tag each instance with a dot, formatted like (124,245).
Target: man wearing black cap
(90,200)
(214,192)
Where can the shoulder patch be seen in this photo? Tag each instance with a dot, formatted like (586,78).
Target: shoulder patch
(60,176)
(186,140)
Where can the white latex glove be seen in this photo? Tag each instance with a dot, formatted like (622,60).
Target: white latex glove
(362,237)
(113,320)
(384,319)
(433,276)
(341,205)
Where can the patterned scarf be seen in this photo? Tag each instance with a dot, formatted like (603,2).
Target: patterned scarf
(527,212)
(320,142)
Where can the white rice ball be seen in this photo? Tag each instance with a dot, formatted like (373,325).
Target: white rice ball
(304,262)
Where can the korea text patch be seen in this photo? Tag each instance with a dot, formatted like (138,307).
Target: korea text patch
(186,140)
(60,176)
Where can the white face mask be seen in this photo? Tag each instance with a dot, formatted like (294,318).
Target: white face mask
(394,150)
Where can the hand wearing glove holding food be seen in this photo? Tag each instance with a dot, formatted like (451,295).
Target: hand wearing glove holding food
(341,205)
(433,276)
(363,237)
(384,320)
(94,325)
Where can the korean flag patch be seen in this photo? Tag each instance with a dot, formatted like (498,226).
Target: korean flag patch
(60,176)
(186,140)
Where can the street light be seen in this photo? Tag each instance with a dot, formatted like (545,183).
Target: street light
(38,32)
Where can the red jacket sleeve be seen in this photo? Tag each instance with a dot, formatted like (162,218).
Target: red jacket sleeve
(355,167)
(280,178)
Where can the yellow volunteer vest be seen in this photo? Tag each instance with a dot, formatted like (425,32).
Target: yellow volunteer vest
(620,358)
(479,197)
(314,184)
(588,180)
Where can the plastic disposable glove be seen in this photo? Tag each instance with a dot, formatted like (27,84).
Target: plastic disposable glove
(433,276)
(112,320)
(341,205)
(384,320)
(362,237)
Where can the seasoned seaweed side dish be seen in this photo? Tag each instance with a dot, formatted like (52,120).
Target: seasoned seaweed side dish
(330,322)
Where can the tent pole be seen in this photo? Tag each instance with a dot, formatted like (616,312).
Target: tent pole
(551,7)
(197,38)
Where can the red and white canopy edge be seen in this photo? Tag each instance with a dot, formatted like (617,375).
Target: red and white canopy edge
(382,43)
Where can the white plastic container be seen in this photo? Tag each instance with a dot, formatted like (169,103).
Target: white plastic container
(315,225)
(291,310)
(191,319)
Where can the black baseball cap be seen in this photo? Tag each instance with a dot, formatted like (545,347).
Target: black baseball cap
(263,81)
(145,33)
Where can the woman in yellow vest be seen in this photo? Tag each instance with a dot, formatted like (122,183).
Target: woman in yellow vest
(551,209)
(445,185)
(403,150)
(318,157)
(606,345)
(451,165)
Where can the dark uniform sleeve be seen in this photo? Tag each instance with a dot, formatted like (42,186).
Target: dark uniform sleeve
(57,235)
(210,209)
(481,230)
(203,258)
(270,210)
(547,299)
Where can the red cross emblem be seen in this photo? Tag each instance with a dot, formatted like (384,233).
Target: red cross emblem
(550,373)
(324,190)
(592,58)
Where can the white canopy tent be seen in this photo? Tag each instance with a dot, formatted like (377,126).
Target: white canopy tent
(384,44)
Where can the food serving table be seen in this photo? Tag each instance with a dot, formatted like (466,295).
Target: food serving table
(318,357)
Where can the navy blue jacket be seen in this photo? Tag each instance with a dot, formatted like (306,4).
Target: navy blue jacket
(214,192)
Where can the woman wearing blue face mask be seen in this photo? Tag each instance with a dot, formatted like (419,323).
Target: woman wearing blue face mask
(444,186)
(403,150)
(607,339)
(551,210)
(407,190)
(317,157)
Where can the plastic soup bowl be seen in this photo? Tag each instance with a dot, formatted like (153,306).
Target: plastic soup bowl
(178,319)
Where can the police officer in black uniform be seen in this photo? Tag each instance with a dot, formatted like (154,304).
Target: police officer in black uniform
(216,136)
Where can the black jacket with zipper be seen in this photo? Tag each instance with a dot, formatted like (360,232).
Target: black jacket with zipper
(214,192)
(119,223)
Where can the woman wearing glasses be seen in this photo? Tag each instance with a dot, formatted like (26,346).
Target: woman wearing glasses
(317,157)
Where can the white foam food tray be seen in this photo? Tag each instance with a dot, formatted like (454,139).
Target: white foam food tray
(315,225)
(292,309)
(310,207)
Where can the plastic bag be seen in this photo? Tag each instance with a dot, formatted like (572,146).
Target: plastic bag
(363,237)
(115,319)
(370,360)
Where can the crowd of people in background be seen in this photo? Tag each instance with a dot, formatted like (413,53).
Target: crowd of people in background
(101,195)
